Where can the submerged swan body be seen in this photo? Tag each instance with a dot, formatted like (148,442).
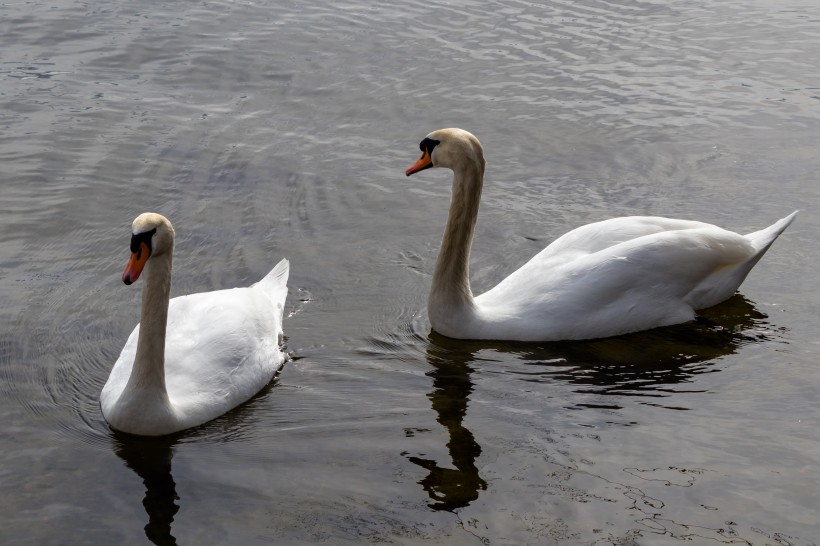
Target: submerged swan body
(191,358)
(603,279)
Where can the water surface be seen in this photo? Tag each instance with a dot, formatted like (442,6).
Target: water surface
(278,129)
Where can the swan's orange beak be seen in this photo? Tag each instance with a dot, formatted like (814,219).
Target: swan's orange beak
(424,162)
(136,263)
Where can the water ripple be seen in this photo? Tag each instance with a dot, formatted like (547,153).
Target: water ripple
(282,128)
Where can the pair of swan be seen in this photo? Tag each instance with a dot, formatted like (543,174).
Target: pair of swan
(193,358)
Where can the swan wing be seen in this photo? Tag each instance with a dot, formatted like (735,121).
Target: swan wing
(598,236)
(611,286)
(221,348)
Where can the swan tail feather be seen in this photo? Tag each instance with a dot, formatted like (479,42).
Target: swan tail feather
(727,280)
(761,240)
(764,238)
(274,284)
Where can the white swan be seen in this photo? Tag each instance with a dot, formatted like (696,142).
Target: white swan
(191,358)
(603,279)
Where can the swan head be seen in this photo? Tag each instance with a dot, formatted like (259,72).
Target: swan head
(151,235)
(451,148)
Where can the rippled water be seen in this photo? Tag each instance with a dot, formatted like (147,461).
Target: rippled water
(279,129)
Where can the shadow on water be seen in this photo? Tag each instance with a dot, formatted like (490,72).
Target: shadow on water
(651,364)
(151,458)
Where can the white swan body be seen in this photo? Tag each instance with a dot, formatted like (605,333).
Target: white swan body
(603,279)
(191,358)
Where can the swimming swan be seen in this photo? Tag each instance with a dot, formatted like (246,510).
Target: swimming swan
(603,279)
(191,358)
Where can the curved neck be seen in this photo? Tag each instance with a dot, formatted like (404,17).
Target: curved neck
(451,279)
(148,372)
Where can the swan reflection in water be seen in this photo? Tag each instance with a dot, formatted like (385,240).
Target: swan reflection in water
(451,488)
(645,364)
(151,458)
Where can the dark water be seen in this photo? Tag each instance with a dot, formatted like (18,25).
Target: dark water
(276,129)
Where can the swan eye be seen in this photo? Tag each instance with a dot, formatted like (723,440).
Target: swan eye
(428,144)
(144,237)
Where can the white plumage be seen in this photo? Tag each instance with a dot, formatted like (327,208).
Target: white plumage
(603,279)
(214,351)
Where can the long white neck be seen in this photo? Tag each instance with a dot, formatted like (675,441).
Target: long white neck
(451,299)
(148,373)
